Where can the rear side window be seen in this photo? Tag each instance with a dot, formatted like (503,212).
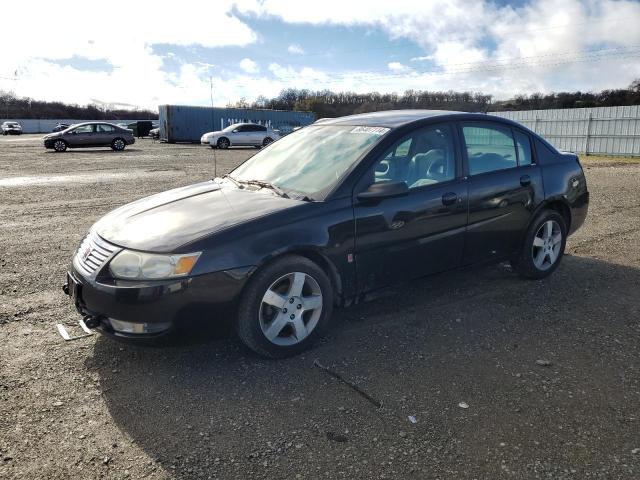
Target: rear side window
(489,148)
(104,128)
(524,147)
(260,128)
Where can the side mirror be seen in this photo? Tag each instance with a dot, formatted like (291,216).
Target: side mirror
(380,190)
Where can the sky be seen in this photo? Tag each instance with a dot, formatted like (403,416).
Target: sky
(144,54)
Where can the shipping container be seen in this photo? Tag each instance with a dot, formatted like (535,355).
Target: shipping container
(181,123)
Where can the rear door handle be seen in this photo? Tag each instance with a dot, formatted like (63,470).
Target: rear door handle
(449,198)
(525,180)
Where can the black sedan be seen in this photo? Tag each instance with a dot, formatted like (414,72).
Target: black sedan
(324,215)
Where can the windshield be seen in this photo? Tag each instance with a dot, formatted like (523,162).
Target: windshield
(312,160)
(231,127)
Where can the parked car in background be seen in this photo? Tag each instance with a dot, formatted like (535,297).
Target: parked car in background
(154,133)
(60,127)
(11,128)
(323,216)
(90,134)
(241,134)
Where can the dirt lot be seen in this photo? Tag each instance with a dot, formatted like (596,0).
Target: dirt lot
(204,407)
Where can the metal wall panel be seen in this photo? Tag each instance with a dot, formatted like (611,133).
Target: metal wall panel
(34,125)
(598,131)
(179,123)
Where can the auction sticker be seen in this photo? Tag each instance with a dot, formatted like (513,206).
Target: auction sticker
(371,130)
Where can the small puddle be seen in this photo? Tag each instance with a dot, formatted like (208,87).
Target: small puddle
(77,178)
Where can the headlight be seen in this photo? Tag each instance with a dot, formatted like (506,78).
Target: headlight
(132,265)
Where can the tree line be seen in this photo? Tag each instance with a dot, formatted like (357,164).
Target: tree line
(325,103)
(12,106)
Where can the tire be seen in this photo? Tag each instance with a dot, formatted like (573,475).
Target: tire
(273,319)
(118,144)
(60,145)
(267,141)
(212,147)
(543,246)
(223,143)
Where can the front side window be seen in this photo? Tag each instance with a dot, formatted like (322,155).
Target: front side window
(489,147)
(312,160)
(424,157)
(83,129)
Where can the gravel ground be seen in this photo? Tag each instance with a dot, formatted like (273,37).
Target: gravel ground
(480,374)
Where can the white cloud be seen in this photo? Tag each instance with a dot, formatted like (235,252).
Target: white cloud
(464,44)
(465,41)
(397,67)
(295,49)
(249,65)
(137,77)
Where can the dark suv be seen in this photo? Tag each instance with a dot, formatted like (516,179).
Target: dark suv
(90,134)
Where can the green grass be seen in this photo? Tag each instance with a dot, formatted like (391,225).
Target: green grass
(600,160)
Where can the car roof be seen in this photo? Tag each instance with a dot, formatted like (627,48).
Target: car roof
(398,118)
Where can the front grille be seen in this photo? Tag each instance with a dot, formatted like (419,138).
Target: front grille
(92,254)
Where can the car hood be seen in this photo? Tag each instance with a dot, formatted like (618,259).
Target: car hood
(164,222)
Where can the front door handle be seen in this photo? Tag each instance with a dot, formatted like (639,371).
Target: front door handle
(525,180)
(449,198)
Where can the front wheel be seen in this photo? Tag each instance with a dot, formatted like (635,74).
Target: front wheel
(543,246)
(285,307)
(224,143)
(59,145)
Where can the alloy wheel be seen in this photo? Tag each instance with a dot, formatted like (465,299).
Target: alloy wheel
(59,146)
(546,245)
(118,144)
(290,309)
(223,143)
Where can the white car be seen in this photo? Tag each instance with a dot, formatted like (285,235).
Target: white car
(241,134)
(11,128)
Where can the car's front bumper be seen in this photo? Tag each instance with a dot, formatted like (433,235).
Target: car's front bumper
(151,308)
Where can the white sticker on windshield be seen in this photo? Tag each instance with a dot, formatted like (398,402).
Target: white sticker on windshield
(371,130)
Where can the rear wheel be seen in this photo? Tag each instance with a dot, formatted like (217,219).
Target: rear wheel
(267,141)
(59,145)
(543,246)
(285,307)
(118,144)
(224,143)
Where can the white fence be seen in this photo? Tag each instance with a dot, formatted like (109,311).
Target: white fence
(598,131)
(34,125)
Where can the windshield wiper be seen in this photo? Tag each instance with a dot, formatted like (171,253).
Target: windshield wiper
(263,184)
(237,183)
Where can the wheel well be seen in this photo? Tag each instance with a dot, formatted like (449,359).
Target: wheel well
(323,262)
(563,210)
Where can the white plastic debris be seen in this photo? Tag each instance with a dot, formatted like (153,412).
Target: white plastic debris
(463,405)
(412,419)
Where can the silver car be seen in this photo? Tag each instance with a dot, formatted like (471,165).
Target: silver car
(90,134)
(241,134)
(11,128)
